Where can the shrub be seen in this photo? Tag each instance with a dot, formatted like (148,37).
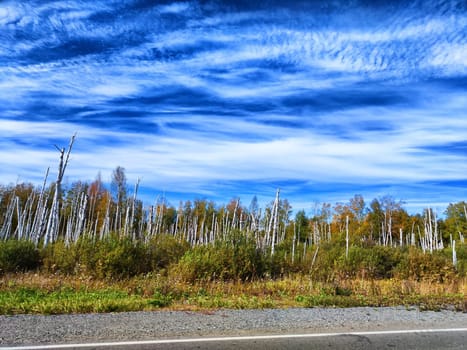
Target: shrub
(18,255)
(111,257)
(425,266)
(374,262)
(461,253)
(233,258)
(164,250)
(280,263)
(120,258)
(58,257)
(324,268)
(77,257)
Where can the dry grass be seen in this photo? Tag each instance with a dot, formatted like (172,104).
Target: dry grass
(49,293)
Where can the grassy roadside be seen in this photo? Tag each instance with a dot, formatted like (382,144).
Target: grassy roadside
(32,293)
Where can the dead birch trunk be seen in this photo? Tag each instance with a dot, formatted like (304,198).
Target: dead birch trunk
(38,225)
(346,236)
(412,235)
(454,255)
(274,221)
(234,216)
(5,233)
(130,214)
(293,241)
(106,222)
(54,218)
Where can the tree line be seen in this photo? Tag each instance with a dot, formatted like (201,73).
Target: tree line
(92,209)
(55,213)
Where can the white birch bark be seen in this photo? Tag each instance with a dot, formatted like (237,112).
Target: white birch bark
(454,254)
(275,222)
(54,218)
(346,236)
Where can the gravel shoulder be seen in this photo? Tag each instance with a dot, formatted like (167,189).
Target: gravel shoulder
(38,329)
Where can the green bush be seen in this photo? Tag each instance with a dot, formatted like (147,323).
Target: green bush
(77,257)
(18,255)
(234,258)
(425,266)
(120,258)
(374,262)
(461,253)
(325,266)
(280,263)
(165,250)
(198,264)
(111,257)
(58,257)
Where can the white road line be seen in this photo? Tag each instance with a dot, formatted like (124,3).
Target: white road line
(223,339)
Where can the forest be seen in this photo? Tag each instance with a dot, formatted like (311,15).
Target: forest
(87,231)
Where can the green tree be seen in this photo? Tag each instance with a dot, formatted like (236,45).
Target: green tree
(119,191)
(118,185)
(302,225)
(456,219)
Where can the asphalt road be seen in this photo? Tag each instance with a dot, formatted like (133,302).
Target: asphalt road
(354,328)
(404,339)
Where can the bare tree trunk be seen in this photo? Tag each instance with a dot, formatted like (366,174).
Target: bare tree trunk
(293,242)
(106,223)
(432,243)
(383,231)
(234,217)
(150,220)
(38,225)
(132,216)
(54,218)
(422,240)
(274,221)
(19,225)
(454,255)
(390,229)
(5,233)
(314,257)
(81,223)
(346,236)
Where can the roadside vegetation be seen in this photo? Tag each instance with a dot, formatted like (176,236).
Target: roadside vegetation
(86,248)
(117,275)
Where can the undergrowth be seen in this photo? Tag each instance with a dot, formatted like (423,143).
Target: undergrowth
(55,294)
(118,274)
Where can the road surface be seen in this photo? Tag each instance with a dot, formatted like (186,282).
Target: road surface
(406,339)
(356,328)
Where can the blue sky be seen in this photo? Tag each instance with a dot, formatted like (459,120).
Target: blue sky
(226,99)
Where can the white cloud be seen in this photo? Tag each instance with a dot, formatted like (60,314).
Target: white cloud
(113,89)
(9,14)
(176,7)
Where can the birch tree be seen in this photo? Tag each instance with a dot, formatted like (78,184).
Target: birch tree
(54,218)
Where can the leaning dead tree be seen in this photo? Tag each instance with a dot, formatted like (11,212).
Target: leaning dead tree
(54,217)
